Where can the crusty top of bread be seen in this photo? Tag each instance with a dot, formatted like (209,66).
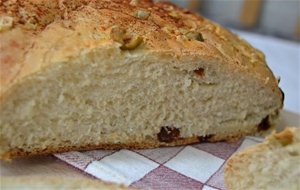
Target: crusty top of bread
(37,33)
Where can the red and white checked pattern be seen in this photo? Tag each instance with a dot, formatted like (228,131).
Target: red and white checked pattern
(197,166)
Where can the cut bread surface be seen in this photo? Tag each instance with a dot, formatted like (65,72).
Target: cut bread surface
(75,104)
(84,88)
(273,164)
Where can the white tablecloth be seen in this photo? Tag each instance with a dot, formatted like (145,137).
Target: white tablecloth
(283,57)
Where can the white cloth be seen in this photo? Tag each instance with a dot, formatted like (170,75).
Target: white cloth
(197,166)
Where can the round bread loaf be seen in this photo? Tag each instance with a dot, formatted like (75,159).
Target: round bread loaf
(83,74)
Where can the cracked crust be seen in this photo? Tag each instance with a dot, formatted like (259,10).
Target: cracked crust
(54,31)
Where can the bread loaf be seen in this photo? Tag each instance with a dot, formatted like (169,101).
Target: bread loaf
(81,74)
(273,164)
(57,183)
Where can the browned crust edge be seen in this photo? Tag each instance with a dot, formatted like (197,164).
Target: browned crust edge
(151,143)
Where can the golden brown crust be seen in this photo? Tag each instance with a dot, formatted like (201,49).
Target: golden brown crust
(151,143)
(148,144)
(47,32)
(285,136)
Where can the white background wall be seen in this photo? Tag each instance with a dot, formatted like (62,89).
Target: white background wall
(277,17)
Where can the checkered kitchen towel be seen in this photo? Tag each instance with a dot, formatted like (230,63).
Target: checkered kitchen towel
(197,166)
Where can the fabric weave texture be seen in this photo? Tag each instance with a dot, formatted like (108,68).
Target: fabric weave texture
(196,166)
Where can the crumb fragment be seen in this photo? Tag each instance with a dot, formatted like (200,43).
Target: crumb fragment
(6,23)
(142,14)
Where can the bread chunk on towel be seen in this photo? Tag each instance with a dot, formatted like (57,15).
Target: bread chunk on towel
(81,74)
(273,164)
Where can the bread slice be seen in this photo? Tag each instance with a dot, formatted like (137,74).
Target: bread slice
(81,74)
(273,164)
(57,183)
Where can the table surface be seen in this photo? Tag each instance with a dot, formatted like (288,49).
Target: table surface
(284,59)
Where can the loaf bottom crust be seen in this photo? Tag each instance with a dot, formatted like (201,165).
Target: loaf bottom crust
(149,143)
